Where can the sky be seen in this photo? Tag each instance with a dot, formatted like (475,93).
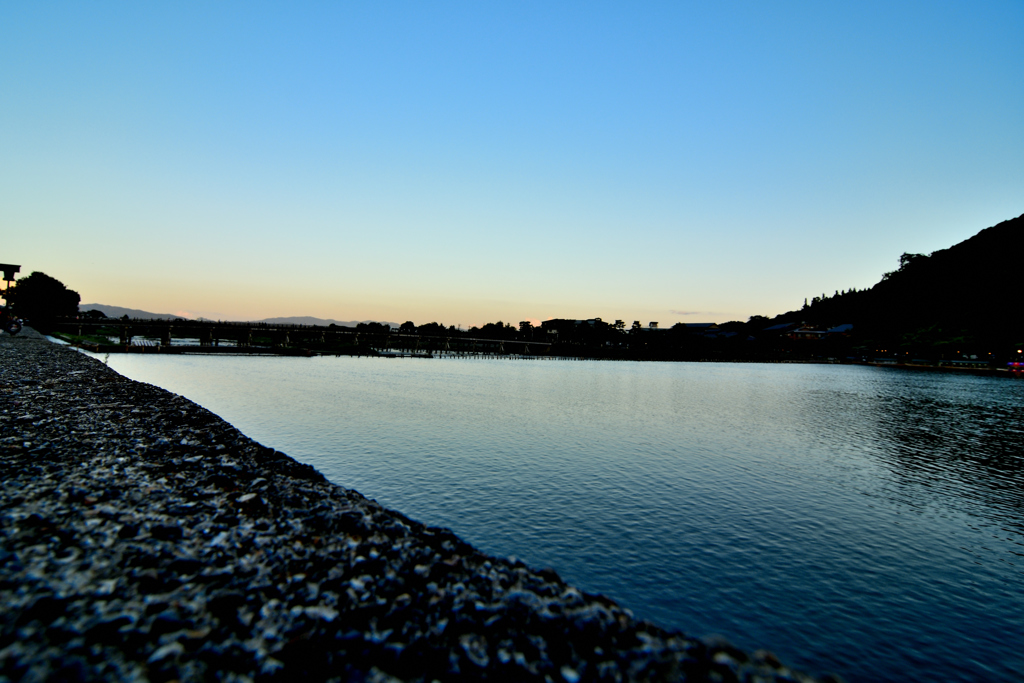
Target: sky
(467,162)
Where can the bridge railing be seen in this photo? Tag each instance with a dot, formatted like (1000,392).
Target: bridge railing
(211,333)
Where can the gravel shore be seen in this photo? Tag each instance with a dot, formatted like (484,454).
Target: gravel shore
(144,538)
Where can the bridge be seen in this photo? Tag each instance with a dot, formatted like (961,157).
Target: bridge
(113,335)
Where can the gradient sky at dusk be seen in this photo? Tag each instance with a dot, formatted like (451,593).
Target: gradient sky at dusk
(465,162)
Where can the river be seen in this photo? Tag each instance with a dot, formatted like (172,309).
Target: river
(856,520)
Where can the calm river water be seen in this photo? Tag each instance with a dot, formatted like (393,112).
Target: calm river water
(863,521)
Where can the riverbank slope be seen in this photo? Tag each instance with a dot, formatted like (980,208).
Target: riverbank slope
(144,538)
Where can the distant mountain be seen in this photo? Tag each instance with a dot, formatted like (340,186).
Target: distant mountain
(964,296)
(119,311)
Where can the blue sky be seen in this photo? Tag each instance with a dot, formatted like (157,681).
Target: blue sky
(468,162)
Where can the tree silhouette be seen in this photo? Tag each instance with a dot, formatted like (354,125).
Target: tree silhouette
(433,329)
(40,298)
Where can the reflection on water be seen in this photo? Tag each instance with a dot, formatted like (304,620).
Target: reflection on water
(858,520)
(969,453)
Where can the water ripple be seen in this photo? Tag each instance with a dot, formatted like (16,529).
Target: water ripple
(858,520)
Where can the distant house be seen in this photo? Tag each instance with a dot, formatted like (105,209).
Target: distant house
(781,328)
(807,332)
(699,328)
(560,327)
(841,329)
(555,325)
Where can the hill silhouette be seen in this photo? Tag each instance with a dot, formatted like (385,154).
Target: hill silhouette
(118,311)
(963,296)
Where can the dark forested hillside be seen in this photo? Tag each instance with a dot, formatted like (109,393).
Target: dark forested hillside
(963,296)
